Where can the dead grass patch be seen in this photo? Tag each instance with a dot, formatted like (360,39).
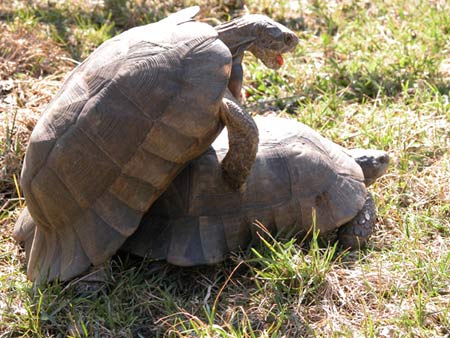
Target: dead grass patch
(31,68)
(26,50)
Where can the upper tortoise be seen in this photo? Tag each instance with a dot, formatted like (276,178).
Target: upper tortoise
(199,219)
(125,123)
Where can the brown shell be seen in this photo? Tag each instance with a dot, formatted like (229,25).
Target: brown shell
(199,219)
(120,129)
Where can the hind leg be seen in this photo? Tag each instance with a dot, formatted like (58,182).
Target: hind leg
(24,230)
(354,234)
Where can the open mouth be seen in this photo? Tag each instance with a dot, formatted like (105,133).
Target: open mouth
(280,60)
(272,58)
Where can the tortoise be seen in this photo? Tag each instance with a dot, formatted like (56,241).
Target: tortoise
(199,219)
(125,123)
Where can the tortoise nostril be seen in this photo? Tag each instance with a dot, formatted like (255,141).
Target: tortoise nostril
(385,158)
(290,39)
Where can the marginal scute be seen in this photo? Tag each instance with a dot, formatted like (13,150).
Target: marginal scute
(154,240)
(44,261)
(51,197)
(41,143)
(71,251)
(79,264)
(98,239)
(71,101)
(212,232)
(185,248)
(236,230)
(117,214)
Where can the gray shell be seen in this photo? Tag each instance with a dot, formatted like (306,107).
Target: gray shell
(199,219)
(118,132)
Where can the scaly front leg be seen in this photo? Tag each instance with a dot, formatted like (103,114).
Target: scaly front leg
(243,141)
(355,234)
(236,78)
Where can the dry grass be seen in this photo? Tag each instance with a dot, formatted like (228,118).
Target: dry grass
(26,50)
(31,68)
(370,74)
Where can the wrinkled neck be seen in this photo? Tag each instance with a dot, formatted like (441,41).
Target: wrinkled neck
(238,34)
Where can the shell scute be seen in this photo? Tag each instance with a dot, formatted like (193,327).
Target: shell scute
(178,150)
(98,239)
(236,230)
(196,108)
(211,195)
(45,253)
(208,193)
(50,127)
(83,167)
(116,213)
(266,177)
(188,250)
(148,84)
(117,128)
(134,192)
(150,168)
(211,238)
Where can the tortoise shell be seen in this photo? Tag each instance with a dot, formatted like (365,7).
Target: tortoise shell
(299,179)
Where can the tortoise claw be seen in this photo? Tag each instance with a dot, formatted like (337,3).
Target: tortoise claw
(234,179)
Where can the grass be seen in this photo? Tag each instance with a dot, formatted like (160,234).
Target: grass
(371,74)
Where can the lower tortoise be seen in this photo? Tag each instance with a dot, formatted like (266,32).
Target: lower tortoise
(199,219)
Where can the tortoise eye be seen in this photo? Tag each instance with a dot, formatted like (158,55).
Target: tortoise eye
(288,39)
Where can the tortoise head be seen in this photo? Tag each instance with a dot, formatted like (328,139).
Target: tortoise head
(262,36)
(272,40)
(373,162)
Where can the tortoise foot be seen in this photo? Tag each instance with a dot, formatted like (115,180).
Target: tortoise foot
(355,234)
(234,179)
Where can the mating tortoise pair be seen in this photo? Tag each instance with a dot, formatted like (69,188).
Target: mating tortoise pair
(128,120)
